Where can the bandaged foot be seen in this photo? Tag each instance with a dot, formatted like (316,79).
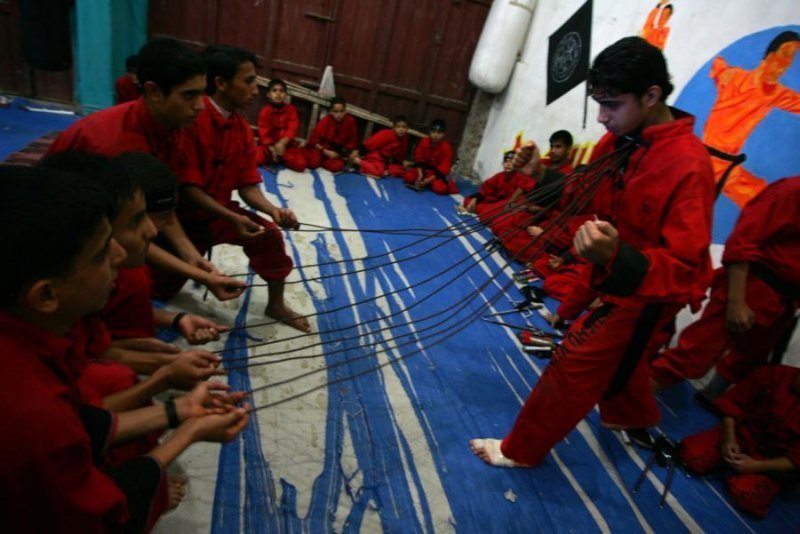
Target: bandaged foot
(488,450)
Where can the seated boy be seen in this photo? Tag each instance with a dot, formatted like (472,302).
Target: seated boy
(558,157)
(433,159)
(384,153)
(277,128)
(489,201)
(759,438)
(49,478)
(220,159)
(127,85)
(333,138)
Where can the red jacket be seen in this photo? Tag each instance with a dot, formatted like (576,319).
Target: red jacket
(277,122)
(129,310)
(438,157)
(565,168)
(220,157)
(662,208)
(129,127)
(767,413)
(387,145)
(334,135)
(502,185)
(48,479)
(126,89)
(768,231)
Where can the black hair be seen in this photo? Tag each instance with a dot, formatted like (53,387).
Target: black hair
(399,118)
(224,61)
(561,136)
(158,182)
(631,65)
(48,217)
(131,63)
(509,154)
(94,167)
(782,38)
(338,100)
(275,81)
(438,124)
(167,63)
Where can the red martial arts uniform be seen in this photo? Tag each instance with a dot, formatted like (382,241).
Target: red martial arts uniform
(274,123)
(661,205)
(129,310)
(220,158)
(341,137)
(565,168)
(433,160)
(383,154)
(767,236)
(766,411)
(129,127)
(49,480)
(126,89)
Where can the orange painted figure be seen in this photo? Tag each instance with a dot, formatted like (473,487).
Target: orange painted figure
(655,30)
(744,98)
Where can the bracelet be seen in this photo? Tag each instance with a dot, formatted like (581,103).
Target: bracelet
(172,413)
(177,319)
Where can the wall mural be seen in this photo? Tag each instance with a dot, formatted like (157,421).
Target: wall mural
(656,28)
(747,100)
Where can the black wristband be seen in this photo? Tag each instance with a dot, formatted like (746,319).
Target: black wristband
(177,319)
(172,414)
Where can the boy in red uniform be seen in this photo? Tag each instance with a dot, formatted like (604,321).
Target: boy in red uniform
(172,78)
(495,192)
(127,85)
(433,159)
(333,138)
(649,256)
(49,479)
(558,157)
(754,296)
(220,158)
(277,128)
(759,438)
(384,153)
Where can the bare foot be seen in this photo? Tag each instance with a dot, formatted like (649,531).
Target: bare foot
(488,450)
(288,317)
(176,488)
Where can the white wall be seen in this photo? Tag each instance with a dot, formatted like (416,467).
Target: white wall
(699,29)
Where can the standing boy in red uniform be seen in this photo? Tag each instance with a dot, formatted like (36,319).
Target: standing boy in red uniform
(278,124)
(649,251)
(384,153)
(172,77)
(754,296)
(332,139)
(759,438)
(49,479)
(433,160)
(220,158)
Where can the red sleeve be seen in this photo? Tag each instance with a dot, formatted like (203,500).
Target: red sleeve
(402,149)
(318,133)
(292,122)
(192,157)
(489,189)
(350,133)
(249,174)
(265,126)
(445,158)
(771,213)
(734,402)
(422,150)
(378,140)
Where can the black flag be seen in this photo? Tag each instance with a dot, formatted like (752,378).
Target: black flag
(568,53)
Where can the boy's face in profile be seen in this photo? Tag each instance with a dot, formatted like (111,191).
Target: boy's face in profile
(277,95)
(134,230)
(338,111)
(86,288)
(242,91)
(558,151)
(400,128)
(621,114)
(436,135)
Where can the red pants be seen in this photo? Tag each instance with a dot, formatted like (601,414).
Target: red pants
(316,159)
(374,165)
(704,343)
(751,492)
(438,185)
(293,157)
(267,253)
(580,374)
